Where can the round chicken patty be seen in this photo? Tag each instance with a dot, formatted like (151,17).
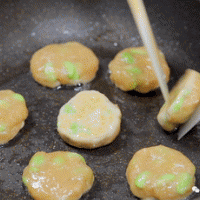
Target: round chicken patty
(161,173)
(184,99)
(132,69)
(13,112)
(60,175)
(70,63)
(89,120)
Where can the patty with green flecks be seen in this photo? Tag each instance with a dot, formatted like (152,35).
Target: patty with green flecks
(160,173)
(89,120)
(13,112)
(64,64)
(131,69)
(58,175)
(184,99)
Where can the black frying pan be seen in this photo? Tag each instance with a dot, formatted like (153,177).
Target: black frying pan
(106,27)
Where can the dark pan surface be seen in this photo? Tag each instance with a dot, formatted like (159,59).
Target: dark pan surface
(106,27)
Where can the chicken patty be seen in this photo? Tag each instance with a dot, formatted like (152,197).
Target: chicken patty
(184,99)
(161,173)
(89,120)
(13,112)
(132,69)
(70,63)
(60,175)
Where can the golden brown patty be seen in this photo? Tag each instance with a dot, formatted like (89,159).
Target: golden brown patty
(160,172)
(13,112)
(183,101)
(57,176)
(64,64)
(131,69)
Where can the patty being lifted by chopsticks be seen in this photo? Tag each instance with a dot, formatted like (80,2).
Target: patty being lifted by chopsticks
(183,101)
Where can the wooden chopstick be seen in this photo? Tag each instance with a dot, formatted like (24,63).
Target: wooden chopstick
(142,21)
(194,119)
(139,13)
